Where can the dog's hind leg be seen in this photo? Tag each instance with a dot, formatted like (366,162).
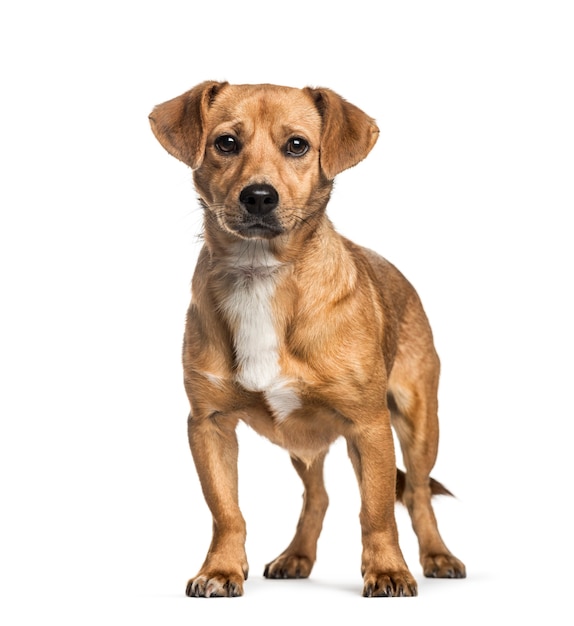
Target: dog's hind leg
(299,557)
(414,408)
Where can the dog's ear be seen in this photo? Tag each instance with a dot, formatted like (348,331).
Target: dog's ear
(348,133)
(179,124)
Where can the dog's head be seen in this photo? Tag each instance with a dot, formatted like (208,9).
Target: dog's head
(264,157)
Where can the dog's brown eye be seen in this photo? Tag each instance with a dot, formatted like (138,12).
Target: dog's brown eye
(227,144)
(296,146)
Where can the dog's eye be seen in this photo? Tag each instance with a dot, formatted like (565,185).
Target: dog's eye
(227,144)
(296,147)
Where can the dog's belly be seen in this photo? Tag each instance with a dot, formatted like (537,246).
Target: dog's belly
(304,433)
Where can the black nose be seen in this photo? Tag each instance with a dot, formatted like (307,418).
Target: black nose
(259,199)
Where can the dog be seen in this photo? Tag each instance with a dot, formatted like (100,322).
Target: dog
(300,333)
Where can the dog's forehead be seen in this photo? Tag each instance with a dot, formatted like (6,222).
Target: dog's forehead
(258,104)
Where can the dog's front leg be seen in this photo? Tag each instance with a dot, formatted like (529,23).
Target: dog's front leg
(384,570)
(213,444)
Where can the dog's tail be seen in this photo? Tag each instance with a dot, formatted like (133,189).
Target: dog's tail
(437,489)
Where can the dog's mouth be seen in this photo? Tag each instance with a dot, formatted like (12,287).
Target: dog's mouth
(257,228)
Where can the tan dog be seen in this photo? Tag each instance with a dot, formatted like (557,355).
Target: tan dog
(298,332)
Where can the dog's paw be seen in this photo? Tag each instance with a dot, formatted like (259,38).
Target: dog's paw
(289,566)
(389,584)
(215,586)
(443,566)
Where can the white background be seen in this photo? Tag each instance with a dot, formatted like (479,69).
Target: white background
(469,191)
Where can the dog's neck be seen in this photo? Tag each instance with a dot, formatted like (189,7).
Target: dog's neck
(250,259)
(321,260)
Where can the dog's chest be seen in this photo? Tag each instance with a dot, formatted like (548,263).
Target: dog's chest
(249,309)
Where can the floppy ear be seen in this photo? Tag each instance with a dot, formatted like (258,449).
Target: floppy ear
(348,134)
(179,124)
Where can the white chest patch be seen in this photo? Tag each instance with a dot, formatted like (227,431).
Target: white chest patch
(249,310)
